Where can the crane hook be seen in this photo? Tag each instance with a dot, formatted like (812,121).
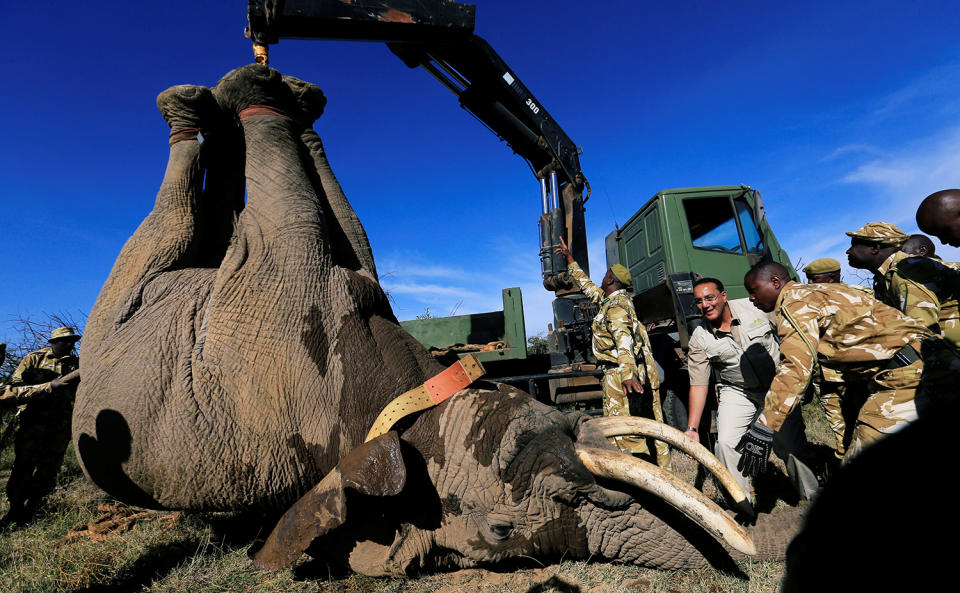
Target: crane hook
(261,54)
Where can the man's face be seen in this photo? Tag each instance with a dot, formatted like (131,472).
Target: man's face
(944,225)
(862,255)
(763,293)
(608,281)
(710,301)
(61,347)
(824,278)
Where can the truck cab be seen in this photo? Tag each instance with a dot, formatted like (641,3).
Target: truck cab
(685,233)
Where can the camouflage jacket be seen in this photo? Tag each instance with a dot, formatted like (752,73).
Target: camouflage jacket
(923,288)
(846,329)
(830,374)
(618,336)
(41,366)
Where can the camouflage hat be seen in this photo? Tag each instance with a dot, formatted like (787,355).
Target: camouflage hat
(823,265)
(64,333)
(622,274)
(883,233)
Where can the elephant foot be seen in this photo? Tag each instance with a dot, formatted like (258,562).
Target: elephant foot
(309,97)
(254,86)
(187,108)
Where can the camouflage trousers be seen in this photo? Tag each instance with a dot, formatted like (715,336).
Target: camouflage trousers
(38,456)
(647,404)
(841,402)
(889,407)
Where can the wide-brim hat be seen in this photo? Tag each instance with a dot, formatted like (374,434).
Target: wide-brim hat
(64,333)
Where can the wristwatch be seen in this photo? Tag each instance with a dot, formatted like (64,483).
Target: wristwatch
(694,429)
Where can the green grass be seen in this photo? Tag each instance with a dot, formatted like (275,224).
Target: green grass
(206,553)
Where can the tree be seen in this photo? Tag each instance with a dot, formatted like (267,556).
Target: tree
(538,344)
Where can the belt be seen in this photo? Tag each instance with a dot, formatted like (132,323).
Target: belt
(903,357)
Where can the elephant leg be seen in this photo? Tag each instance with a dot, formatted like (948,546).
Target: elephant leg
(348,238)
(280,254)
(166,239)
(280,287)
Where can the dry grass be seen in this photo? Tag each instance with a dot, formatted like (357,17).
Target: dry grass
(207,553)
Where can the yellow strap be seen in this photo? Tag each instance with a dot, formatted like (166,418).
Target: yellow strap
(435,390)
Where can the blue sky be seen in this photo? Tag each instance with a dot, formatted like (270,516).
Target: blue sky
(839,112)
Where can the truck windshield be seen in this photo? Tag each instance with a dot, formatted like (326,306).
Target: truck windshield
(750,232)
(712,224)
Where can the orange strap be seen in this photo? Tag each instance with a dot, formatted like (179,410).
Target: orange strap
(435,390)
(261,110)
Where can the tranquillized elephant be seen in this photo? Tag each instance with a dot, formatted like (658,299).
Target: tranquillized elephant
(238,354)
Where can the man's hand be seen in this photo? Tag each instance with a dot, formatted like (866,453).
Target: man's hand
(632,386)
(754,449)
(692,434)
(562,249)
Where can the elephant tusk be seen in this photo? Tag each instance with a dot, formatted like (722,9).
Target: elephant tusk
(677,493)
(612,426)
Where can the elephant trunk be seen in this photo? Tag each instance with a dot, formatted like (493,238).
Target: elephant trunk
(634,535)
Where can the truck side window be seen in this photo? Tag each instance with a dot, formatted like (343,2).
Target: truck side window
(750,232)
(712,224)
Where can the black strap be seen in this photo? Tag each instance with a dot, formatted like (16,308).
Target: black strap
(903,357)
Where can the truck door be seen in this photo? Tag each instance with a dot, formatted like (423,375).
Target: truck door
(724,240)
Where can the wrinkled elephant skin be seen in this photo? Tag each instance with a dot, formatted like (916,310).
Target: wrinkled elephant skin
(239,351)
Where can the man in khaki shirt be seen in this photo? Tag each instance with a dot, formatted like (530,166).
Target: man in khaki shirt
(738,346)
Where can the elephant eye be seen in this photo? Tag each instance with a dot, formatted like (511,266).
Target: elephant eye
(501,531)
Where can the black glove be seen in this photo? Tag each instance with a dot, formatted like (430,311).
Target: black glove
(754,449)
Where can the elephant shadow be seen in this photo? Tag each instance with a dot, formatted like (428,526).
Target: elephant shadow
(103,457)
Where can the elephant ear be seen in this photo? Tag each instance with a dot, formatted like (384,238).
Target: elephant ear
(375,468)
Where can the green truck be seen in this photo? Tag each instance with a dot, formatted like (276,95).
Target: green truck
(678,234)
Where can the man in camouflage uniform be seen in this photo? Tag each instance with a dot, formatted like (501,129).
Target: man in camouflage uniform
(919,245)
(917,286)
(831,388)
(619,340)
(857,335)
(43,430)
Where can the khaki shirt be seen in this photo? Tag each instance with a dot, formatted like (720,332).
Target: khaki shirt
(618,336)
(744,356)
(844,327)
(41,366)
